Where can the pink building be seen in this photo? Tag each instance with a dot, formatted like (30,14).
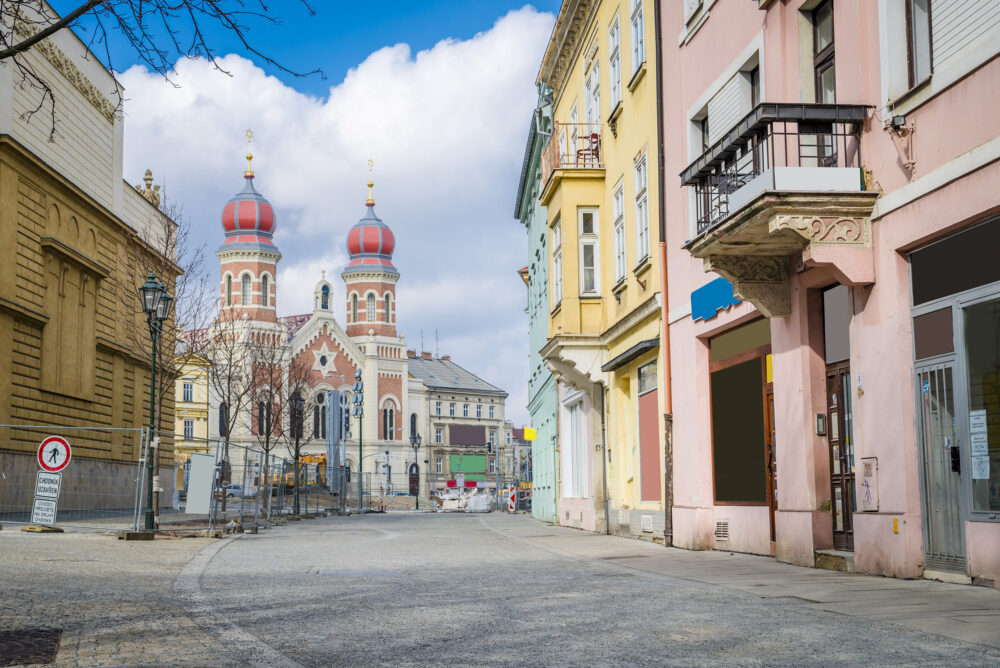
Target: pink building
(834,282)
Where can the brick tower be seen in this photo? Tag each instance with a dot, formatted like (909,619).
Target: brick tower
(248,256)
(370,277)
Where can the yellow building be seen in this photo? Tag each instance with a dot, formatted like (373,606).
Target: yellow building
(191,408)
(74,238)
(601,192)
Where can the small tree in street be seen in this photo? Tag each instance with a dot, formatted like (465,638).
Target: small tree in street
(269,399)
(298,404)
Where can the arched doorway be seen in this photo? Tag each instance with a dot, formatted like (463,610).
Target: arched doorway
(414,480)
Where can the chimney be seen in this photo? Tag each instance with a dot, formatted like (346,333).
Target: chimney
(426,356)
(446,358)
(411,353)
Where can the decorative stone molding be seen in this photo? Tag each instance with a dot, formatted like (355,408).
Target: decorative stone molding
(574,17)
(855,230)
(759,279)
(65,66)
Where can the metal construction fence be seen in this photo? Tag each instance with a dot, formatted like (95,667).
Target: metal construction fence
(84,477)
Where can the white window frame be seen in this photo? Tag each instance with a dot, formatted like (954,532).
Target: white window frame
(493,465)
(615,60)
(618,207)
(439,465)
(187,391)
(638,36)
(479,411)
(451,409)
(492,412)
(370,307)
(188,430)
(438,408)
(439,437)
(465,410)
(642,240)
(246,289)
(590,240)
(557,273)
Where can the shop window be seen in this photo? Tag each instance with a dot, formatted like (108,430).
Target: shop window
(982,332)
(956,264)
(738,433)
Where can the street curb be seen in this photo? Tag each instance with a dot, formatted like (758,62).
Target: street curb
(187,588)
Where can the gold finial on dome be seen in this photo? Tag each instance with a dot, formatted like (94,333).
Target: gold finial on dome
(249,153)
(371,182)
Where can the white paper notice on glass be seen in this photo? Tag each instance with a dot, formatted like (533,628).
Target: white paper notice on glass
(980,444)
(981,468)
(977,421)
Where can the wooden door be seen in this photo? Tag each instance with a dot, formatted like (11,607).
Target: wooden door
(840,438)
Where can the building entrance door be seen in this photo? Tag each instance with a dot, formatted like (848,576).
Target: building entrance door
(414,480)
(944,544)
(772,458)
(840,438)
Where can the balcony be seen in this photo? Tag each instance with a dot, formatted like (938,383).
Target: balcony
(786,179)
(574,150)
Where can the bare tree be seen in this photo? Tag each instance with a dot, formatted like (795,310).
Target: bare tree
(164,248)
(158,34)
(228,347)
(296,436)
(268,397)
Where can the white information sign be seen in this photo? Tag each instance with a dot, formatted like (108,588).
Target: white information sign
(47,485)
(199,492)
(43,512)
(977,421)
(981,468)
(980,443)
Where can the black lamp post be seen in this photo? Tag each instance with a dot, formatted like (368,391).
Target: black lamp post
(415,444)
(359,412)
(298,405)
(156,305)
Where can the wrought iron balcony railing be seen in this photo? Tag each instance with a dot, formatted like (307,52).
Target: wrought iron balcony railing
(782,147)
(572,146)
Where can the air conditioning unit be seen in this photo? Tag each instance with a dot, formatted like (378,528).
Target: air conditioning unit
(647,523)
(722,530)
(623,517)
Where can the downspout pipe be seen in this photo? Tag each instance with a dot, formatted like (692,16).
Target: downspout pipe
(668,416)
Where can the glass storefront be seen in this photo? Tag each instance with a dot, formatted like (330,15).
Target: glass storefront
(982,352)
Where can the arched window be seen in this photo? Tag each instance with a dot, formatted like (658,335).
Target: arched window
(319,416)
(229,290)
(263,290)
(245,290)
(388,422)
(324,300)
(354,308)
(371,308)
(387,302)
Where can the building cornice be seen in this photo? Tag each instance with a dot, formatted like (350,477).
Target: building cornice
(567,34)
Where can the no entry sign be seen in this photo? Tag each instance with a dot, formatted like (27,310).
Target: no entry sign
(54,454)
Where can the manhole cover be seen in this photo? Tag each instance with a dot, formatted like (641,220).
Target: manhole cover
(28,646)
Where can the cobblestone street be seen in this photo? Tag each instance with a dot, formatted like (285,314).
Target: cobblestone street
(457,589)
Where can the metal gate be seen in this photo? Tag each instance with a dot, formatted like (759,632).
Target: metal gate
(940,470)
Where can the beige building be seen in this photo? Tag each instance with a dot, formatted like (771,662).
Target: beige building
(70,353)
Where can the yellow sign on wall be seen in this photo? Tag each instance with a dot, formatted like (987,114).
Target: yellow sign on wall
(529,433)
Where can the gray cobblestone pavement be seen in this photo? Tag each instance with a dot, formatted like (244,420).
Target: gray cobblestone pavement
(455,589)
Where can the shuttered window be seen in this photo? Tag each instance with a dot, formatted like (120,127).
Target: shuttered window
(956,24)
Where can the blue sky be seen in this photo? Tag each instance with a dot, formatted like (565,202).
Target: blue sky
(439,94)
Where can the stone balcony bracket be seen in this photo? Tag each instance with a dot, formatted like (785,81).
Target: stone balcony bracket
(753,248)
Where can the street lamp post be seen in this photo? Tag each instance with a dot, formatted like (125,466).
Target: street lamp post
(298,405)
(359,412)
(415,444)
(156,305)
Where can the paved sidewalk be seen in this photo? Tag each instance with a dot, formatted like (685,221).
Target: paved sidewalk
(962,612)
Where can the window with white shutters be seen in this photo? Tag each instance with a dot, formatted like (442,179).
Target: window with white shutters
(615,61)
(619,210)
(589,252)
(638,36)
(641,210)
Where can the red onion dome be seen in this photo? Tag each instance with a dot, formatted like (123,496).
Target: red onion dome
(248,217)
(371,243)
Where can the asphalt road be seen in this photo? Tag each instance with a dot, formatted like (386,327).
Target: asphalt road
(456,589)
(468,590)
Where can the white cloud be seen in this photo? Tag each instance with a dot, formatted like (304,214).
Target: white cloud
(446,129)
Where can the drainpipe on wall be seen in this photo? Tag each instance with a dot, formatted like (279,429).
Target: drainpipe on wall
(668,411)
(604,461)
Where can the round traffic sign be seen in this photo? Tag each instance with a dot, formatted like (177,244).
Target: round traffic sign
(54,454)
